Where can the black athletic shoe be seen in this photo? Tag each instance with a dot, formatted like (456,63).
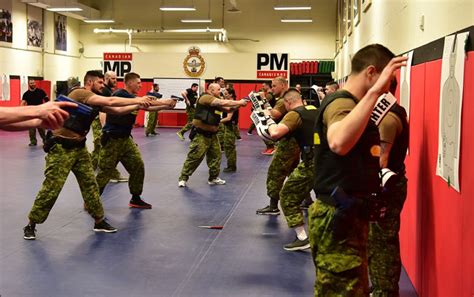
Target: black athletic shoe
(103,226)
(139,203)
(29,232)
(297,245)
(267,210)
(230,169)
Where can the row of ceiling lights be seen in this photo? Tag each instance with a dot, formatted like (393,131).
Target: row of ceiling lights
(280,8)
(187,8)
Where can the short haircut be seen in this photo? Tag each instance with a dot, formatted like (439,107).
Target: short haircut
(218,78)
(332,83)
(156,85)
(376,55)
(213,85)
(232,93)
(130,76)
(31,79)
(281,80)
(194,85)
(92,75)
(268,83)
(109,74)
(292,95)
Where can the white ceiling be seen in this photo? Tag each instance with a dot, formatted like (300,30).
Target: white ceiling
(257,16)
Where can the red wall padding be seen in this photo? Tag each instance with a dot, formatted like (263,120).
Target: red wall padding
(15,96)
(437,233)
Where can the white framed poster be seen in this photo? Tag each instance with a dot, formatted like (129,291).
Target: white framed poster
(450,102)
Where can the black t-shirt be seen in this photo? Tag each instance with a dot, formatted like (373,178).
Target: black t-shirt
(120,123)
(192,96)
(106,91)
(35,97)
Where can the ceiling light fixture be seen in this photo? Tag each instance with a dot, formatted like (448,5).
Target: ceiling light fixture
(197,21)
(63,9)
(296,20)
(292,7)
(206,30)
(90,21)
(176,8)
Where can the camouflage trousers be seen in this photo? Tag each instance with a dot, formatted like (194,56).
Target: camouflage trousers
(229,146)
(285,159)
(236,131)
(97,133)
(341,266)
(122,150)
(297,188)
(384,246)
(220,135)
(202,146)
(59,162)
(32,134)
(189,120)
(151,123)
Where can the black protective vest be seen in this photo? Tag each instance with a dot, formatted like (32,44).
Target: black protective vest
(357,172)
(234,120)
(125,121)
(79,122)
(207,114)
(305,135)
(396,159)
(192,96)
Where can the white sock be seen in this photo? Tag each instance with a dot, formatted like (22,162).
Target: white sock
(301,233)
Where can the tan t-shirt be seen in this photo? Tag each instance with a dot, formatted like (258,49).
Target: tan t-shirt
(80,95)
(206,100)
(337,111)
(280,106)
(390,127)
(292,120)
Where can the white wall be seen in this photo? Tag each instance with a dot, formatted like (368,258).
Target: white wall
(396,24)
(19,59)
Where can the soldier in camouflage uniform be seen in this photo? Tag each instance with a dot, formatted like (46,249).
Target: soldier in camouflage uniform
(286,157)
(229,121)
(384,244)
(67,152)
(205,143)
(118,145)
(346,175)
(298,123)
(190,96)
(110,82)
(152,115)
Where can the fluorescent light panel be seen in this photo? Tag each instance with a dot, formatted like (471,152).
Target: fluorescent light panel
(197,21)
(90,21)
(63,9)
(296,20)
(292,7)
(175,8)
(206,30)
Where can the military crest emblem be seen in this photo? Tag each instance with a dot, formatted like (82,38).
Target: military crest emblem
(194,64)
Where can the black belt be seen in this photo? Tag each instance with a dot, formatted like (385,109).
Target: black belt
(115,134)
(69,143)
(328,199)
(205,133)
